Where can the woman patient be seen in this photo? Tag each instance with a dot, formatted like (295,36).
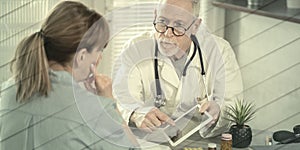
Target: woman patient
(43,105)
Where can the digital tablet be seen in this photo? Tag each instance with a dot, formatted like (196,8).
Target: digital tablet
(185,125)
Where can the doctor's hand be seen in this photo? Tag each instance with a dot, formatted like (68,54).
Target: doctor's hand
(154,119)
(102,83)
(213,109)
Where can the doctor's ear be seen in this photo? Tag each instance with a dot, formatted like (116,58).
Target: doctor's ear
(80,57)
(196,25)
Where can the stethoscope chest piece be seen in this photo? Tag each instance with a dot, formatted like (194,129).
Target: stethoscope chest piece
(159,101)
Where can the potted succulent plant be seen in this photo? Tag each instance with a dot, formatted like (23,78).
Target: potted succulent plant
(241,113)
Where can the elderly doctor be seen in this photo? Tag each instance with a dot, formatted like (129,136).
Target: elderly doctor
(163,74)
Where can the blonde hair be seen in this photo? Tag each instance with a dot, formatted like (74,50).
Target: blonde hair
(69,24)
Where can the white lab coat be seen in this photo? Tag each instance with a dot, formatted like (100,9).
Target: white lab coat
(134,86)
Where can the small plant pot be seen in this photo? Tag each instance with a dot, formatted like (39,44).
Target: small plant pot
(241,136)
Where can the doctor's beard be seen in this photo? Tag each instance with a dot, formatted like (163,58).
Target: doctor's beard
(169,49)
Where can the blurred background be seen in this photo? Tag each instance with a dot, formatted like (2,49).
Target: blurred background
(265,38)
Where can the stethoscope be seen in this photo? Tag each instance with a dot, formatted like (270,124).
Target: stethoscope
(159,100)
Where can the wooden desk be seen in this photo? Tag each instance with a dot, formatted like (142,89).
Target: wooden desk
(258,142)
(195,141)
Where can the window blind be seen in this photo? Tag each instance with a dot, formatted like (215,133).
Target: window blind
(127,19)
(18,19)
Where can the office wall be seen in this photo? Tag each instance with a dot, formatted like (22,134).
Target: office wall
(268,51)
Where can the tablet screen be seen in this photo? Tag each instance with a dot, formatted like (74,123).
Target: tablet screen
(186,125)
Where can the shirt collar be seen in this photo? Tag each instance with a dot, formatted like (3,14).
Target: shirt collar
(60,76)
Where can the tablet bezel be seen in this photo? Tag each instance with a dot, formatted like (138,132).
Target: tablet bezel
(184,137)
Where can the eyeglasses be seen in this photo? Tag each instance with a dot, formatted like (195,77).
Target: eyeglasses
(177,30)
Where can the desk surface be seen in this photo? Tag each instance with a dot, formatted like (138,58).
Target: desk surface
(195,141)
(258,142)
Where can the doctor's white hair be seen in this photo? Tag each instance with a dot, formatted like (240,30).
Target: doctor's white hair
(195,4)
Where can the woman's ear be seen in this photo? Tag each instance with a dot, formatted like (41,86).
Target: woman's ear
(196,26)
(80,57)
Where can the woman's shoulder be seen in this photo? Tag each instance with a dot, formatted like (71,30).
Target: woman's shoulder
(8,94)
(60,95)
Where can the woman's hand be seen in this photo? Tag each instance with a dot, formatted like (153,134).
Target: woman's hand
(102,83)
